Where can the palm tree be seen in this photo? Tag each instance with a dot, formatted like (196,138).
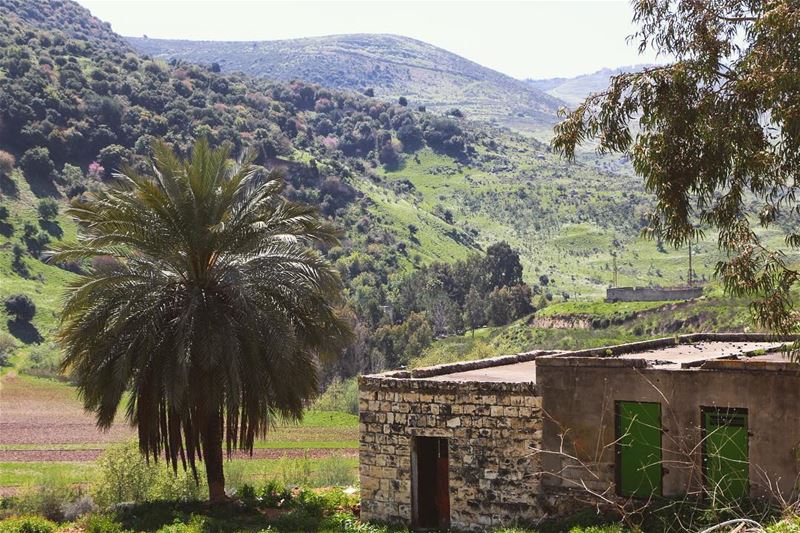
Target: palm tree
(206,306)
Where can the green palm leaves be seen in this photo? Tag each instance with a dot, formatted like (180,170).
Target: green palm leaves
(205,301)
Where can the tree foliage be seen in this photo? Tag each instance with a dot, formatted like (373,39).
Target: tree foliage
(210,306)
(718,134)
(21,307)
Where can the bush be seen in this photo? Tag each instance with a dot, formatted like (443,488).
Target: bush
(273,494)
(47,208)
(124,476)
(82,506)
(45,498)
(27,524)
(36,163)
(176,486)
(21,307)
(7,343)
(100,523)
(112,157)
(7,162)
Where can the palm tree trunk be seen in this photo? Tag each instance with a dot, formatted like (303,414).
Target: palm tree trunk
(212,456)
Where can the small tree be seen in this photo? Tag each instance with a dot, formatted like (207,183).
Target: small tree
(21,307)
(474,312)
(36,163)
(403,101)
(47,208)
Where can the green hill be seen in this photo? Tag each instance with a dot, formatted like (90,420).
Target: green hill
(391,65)
(409,188)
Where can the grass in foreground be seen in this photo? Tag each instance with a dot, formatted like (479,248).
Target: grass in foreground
(306,471)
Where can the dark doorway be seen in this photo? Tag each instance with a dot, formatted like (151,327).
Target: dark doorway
(430,490)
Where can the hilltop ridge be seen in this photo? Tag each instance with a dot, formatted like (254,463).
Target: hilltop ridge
(390,65)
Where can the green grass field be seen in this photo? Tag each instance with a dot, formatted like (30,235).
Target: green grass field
(290,470)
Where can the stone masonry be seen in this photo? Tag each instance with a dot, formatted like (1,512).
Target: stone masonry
(652,294)
(492,428)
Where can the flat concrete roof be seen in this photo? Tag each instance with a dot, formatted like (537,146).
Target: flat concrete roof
(513,373)
(686,354)
(689,351)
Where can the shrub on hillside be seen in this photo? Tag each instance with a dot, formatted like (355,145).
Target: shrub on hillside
(36,163)
(7,163)
(27,524)
(21,307)
(47,209)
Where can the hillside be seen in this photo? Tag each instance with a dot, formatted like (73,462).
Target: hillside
(391,65)
(574,90)
(411,190)
(593,324)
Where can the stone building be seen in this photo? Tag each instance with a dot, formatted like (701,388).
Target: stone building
(504,441)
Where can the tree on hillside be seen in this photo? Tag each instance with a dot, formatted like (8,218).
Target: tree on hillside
(717,128)
(210,307)
(474,310)
(21,307)
(503,265)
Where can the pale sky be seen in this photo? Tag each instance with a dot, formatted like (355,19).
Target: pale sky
(525,39)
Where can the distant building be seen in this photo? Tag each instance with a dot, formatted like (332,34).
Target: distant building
(652,294)
(509,440)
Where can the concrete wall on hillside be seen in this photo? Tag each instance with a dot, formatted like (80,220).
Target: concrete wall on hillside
(652,294)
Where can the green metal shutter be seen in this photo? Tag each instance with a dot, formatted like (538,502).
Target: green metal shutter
(726,463)
(638,449)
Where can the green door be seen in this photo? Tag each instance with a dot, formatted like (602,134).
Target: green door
(726,457)
(638,449)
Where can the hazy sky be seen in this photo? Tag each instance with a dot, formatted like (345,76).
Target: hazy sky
(536,39)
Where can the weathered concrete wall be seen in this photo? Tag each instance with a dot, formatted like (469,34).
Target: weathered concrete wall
(652,294)
(578,409)
(491,427)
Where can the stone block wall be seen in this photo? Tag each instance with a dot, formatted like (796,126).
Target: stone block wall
(652,294)
(492,430)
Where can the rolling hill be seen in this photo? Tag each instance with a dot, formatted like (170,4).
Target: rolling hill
(409,188)
(391,65)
